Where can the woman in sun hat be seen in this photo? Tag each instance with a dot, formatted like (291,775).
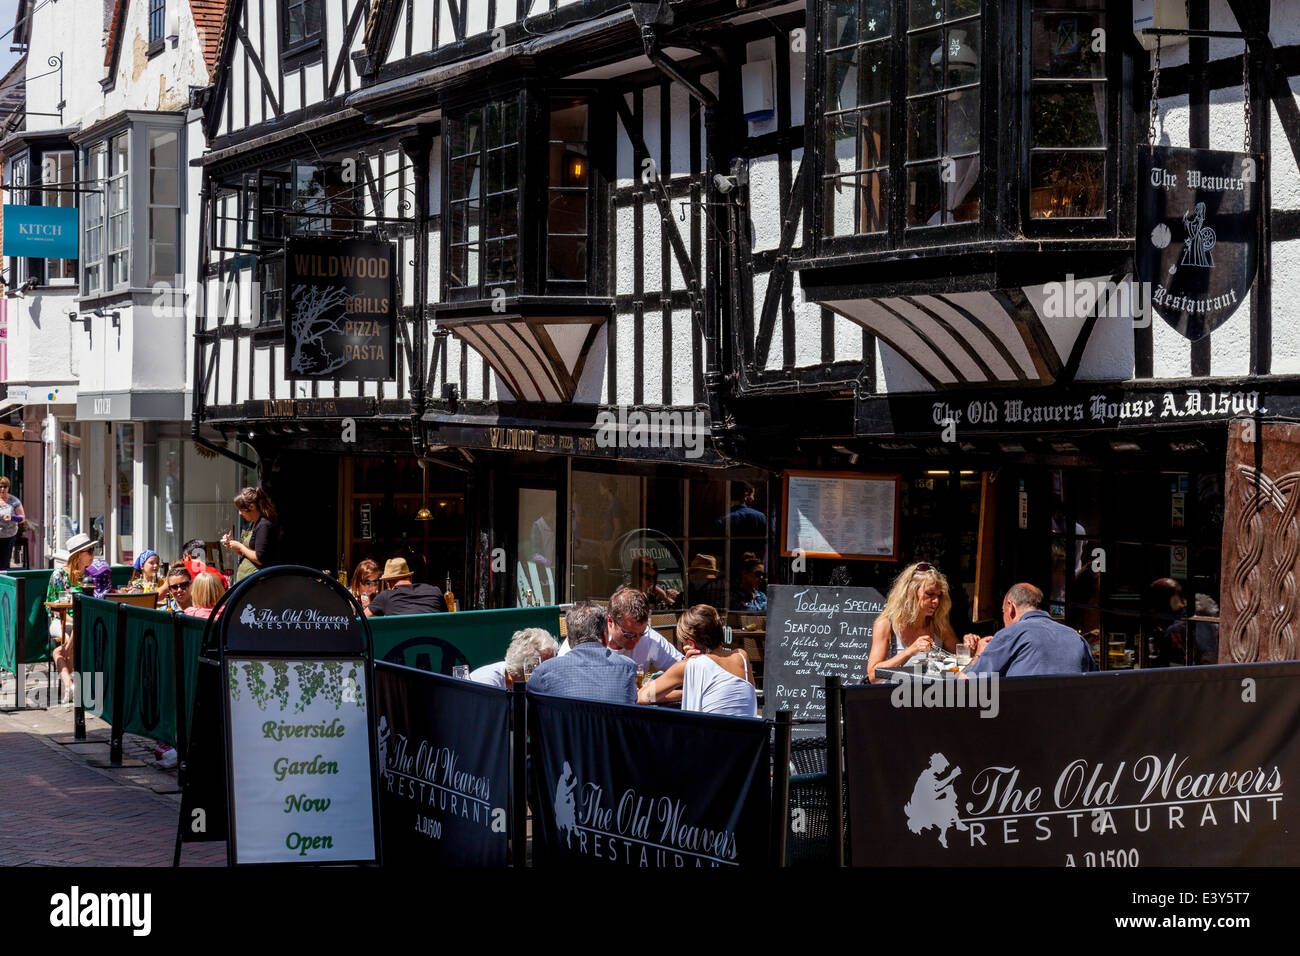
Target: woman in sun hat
(79,553)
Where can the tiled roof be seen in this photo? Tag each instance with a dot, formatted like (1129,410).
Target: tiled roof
(210,18)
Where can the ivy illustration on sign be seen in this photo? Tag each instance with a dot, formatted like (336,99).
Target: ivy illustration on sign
(323,679)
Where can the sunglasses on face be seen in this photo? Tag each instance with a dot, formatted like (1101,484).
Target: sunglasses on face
(370,582)
(179,587)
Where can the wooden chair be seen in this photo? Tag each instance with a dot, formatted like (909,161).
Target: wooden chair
(147,601)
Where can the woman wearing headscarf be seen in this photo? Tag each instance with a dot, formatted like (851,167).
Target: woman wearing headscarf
(146,578)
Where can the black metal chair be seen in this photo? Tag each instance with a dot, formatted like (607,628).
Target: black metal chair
(808,843)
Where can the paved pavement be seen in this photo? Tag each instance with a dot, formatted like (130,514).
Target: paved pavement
(58,810)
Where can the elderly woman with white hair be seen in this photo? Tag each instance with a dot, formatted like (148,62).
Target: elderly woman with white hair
(532,645)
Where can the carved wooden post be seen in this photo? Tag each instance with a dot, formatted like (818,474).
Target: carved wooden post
(1260,612)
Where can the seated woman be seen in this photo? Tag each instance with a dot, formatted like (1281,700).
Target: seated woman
(713,678)
(205,592)
(81,552)
(179,581)
(365,582)
(146,579)
(530,646)
(913,620)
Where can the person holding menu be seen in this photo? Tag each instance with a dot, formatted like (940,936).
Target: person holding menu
(913,620)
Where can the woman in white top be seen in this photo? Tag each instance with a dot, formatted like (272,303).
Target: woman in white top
(714,679)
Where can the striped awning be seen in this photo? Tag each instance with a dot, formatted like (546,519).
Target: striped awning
(1007,336)
(539,358)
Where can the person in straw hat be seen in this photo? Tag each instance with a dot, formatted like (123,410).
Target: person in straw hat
(402,595)
(706,585)
(78,555)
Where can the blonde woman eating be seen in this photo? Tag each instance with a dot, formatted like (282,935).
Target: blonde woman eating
(914,619)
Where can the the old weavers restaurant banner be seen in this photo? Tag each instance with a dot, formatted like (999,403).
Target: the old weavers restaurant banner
(626,786)
(1177,767)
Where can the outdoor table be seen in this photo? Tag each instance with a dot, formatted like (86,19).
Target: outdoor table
(900,675)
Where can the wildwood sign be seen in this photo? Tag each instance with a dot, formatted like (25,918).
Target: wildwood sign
(1197,234)
(340,307)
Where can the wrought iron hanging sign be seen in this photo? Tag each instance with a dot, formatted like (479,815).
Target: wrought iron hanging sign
(341,309)
(1197,234)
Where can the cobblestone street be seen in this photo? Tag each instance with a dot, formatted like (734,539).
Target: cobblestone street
(56,809)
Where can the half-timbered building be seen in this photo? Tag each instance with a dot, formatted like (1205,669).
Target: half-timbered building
(650,256)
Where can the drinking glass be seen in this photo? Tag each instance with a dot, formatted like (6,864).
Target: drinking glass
(963,654)
(460,671)
(531,665)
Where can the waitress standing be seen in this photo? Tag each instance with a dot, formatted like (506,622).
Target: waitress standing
(258,547)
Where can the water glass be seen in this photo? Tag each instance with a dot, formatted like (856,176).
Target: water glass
(460,671)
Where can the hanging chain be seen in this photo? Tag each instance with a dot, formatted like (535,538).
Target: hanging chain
(1155,96)
(1245,88)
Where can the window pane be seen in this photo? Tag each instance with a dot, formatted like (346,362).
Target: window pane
(842,143)
(962,198)
(842,79)
(923,132)
(963,122)
(1067,184)
(921,12)
(875,85)
(1062,41)
(841,23)
(566,257)
(873,214)
(568,212)
(841,197)
(925,61)
(923,196)
(1069,115)
(875,138)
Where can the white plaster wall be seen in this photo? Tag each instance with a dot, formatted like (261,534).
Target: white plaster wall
(1284,177)
(1286,330)
(41,344)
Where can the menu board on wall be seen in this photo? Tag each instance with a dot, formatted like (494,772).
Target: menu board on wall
(840,514)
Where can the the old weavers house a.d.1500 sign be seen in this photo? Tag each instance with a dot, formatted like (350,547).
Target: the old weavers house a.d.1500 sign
(340,309)
(1197,234)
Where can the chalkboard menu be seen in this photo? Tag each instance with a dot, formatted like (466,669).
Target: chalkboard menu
(814,633)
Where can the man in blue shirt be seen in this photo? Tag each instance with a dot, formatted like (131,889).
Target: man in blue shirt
(1031,644)
(590,670)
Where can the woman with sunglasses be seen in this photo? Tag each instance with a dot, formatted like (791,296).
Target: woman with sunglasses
(914,619)
(365,582)
(178,588)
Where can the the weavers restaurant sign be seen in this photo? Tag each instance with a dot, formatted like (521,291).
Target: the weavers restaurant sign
(40,232)
(1197,234)
(341,308)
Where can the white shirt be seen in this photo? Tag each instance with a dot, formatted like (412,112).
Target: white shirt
(492,674)
(653,652)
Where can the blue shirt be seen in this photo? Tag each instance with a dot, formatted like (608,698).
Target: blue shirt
(1035,646)
(590,671)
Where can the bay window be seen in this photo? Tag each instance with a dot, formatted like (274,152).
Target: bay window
(946,122)
(520,209)
(131,203)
